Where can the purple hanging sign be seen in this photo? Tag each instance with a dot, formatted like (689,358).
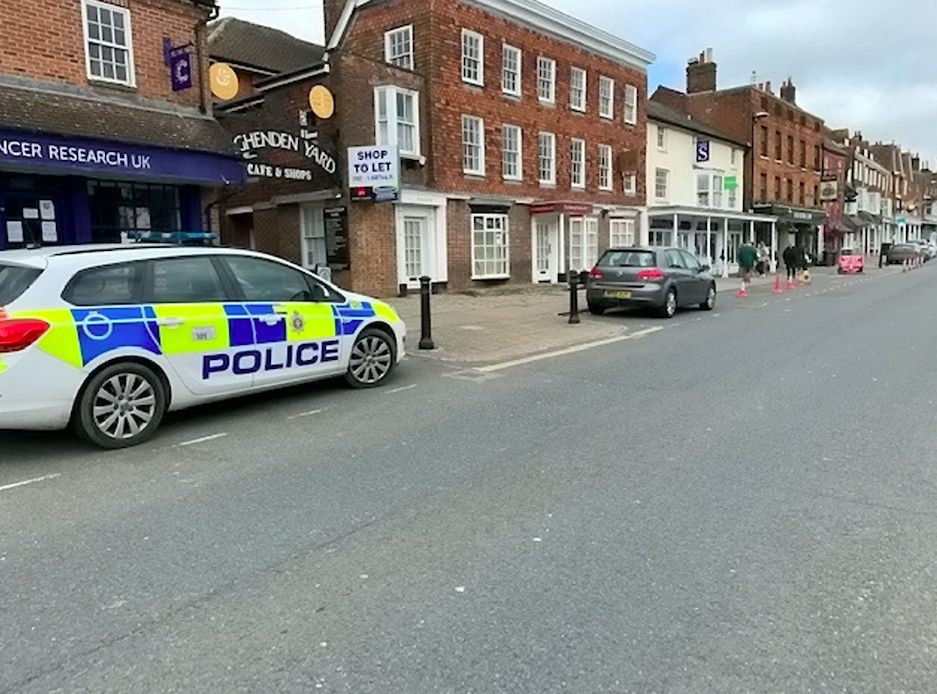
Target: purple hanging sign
(180,69)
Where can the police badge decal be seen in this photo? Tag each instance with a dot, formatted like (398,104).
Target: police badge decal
(297,321)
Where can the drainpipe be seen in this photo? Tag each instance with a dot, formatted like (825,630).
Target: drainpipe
(199,29)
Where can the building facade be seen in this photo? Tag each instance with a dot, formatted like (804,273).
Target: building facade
(521,137)
(785,155)
(695,178)
(106,129)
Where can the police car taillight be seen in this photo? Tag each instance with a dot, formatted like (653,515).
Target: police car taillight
(19,333)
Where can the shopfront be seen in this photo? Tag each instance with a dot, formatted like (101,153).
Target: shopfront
(57,190)
(798,226)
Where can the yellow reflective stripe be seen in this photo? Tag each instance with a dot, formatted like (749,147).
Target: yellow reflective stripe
(61,340)
(204,328)
(310,321)
(385,311)
(3,367)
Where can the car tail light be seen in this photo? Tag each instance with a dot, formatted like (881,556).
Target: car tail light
(655,274)
(595,273)
(19,333)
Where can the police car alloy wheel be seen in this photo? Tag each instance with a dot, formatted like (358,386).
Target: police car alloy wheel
(120,406)
(371,360)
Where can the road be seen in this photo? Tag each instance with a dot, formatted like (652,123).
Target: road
(741,501)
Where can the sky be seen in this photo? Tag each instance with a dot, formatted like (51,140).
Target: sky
(865,65)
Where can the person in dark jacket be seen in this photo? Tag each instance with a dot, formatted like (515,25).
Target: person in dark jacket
(790,262)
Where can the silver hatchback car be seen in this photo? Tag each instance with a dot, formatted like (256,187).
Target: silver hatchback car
(663,279)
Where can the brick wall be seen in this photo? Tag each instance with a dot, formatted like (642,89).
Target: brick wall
(44,40)
(437,28)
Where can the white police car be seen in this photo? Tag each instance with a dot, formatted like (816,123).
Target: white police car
(108,338)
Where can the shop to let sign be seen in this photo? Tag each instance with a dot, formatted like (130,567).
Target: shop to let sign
(373,173)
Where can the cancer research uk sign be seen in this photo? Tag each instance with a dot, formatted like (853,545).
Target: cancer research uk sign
(374,173)
(58,154)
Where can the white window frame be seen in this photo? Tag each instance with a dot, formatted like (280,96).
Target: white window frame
(605,167)
(501,252)
(393,120)
(510,72)
(718,180)
(402,60)
(578,80)
(131,80)
(546,145)
(512,159)
(478,67)
(313,236)
(661,186)
(661,138)
(621,233)
(703,193)
(631,104)
(606,97)
(577,163)
(583,242)
(630,184)
(478,126)
(546,80)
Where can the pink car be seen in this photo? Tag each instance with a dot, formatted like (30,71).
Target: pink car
(849,262)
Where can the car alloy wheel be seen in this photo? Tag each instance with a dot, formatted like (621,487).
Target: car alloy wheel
(670,304)
(120,406)
(710,302)
(371,360)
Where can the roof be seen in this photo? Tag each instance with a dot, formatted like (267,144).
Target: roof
(256,46)
(44,109)
(539,17)
(659,112)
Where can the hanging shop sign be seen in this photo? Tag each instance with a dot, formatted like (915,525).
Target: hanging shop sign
(702,150)
(223,80)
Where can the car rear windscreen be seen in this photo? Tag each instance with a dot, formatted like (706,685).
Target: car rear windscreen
(14,280)
(627,259)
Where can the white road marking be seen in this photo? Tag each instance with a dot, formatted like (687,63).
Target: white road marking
(567,350)
(310,413)
(402,388)
(202,440)
(35,479)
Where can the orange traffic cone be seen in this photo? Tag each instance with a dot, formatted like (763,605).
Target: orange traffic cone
(790,284)
(742,294)
(777,285)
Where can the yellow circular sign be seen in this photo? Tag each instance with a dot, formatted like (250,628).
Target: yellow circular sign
(224,81)
(322,101)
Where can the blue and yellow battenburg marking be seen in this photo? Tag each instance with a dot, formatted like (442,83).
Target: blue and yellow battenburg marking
(79,336)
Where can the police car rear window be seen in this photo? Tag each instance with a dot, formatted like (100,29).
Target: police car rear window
(14,280)
(109,285)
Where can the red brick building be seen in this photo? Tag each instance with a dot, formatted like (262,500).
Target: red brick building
(785,159)
(105,120)
(521,133)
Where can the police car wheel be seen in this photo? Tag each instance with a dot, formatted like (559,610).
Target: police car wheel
(121,406)
(371,360)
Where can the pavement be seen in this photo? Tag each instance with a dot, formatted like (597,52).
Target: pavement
(511,322)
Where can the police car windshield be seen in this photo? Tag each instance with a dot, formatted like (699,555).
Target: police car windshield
(14,280)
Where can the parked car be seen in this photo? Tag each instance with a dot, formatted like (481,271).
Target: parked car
(663,279)
(849,261)
(109,338)
(900,252)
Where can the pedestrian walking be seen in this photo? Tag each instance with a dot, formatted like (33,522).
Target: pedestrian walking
(790,263)
(747,257)
(764,259)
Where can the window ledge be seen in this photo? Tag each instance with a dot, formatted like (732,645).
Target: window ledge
(484,278)
(117,86)
(474,175)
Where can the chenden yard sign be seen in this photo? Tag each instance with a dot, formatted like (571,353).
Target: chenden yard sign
(373,173)
(251,144)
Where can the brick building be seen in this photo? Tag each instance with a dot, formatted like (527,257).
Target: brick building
(103,131)
(521,134)
(785,158)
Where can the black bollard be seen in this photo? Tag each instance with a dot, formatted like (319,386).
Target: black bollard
(573,299)
(426,338)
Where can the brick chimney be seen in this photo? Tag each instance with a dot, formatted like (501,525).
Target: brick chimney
(789,92)
(701,73)
(332,11)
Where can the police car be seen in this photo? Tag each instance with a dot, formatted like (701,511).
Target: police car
(107,338)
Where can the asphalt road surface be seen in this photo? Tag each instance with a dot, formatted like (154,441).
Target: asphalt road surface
(741,501)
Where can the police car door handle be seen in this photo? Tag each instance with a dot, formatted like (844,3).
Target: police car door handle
(271,319)
(169,322)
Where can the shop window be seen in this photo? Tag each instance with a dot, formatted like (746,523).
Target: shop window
(621,233)
(490,244)
(122,209)
(583,242)
(108,43)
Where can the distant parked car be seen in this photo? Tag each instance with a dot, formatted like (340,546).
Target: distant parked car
(849,261)
(663,279)
(901,252)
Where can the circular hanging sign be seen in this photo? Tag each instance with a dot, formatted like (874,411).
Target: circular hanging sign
(224,81)
(322,101)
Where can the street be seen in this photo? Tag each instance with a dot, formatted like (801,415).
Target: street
(730,501)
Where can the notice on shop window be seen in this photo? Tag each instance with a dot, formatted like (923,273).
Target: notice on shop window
(50,233)
(15,232)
